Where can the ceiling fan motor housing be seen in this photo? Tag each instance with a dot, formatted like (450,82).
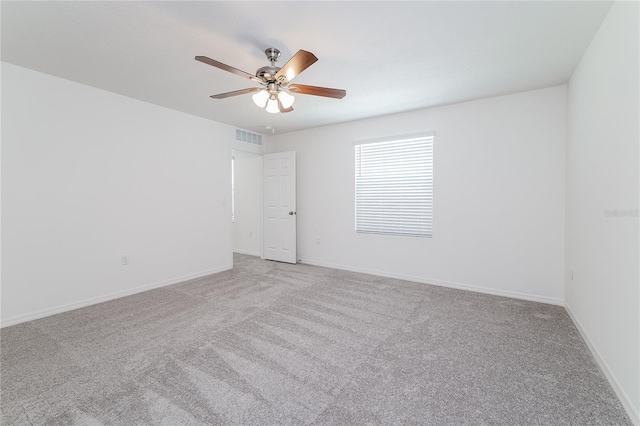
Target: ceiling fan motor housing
(268,72)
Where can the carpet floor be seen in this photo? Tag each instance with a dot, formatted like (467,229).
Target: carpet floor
(270,343)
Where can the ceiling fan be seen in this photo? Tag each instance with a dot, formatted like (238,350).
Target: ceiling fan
(275,95)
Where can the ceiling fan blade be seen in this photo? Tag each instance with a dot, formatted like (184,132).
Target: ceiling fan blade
(235,93)
(226,67)
(317,91)
(282,108)
(300,62)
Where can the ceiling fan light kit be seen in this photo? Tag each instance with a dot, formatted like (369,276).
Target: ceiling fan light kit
(261,98)
(286,99)
(275,95)
(272,105)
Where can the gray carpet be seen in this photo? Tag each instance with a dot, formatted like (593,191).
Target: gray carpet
(272,343)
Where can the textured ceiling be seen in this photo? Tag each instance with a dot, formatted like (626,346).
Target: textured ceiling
(389,56)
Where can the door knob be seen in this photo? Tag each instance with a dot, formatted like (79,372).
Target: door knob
(290,213)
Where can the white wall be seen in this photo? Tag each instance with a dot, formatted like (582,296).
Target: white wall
(603,174)
(87,176)
(247,228)
(498,196)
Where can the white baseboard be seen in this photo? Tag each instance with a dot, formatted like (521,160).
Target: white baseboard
(99,299)
(604,367)
(440,283)
(251,253)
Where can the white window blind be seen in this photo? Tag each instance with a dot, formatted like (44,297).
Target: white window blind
(394,185)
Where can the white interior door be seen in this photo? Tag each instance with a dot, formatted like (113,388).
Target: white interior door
(279,240)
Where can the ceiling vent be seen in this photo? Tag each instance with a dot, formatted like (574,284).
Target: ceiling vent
(248,137)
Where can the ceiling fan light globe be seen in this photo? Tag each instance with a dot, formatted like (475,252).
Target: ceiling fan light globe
(286,99)
(272,106)
(260,98)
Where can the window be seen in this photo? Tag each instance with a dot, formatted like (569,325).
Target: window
(394,185)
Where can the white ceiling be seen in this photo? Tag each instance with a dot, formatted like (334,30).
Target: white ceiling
(389,56)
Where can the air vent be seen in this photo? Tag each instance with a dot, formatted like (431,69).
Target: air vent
(248,137)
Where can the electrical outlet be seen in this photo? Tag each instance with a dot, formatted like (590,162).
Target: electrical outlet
(124,259)
(571,273)
(250,234)
(318,241)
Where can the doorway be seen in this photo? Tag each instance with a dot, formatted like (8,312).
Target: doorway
(246,202)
